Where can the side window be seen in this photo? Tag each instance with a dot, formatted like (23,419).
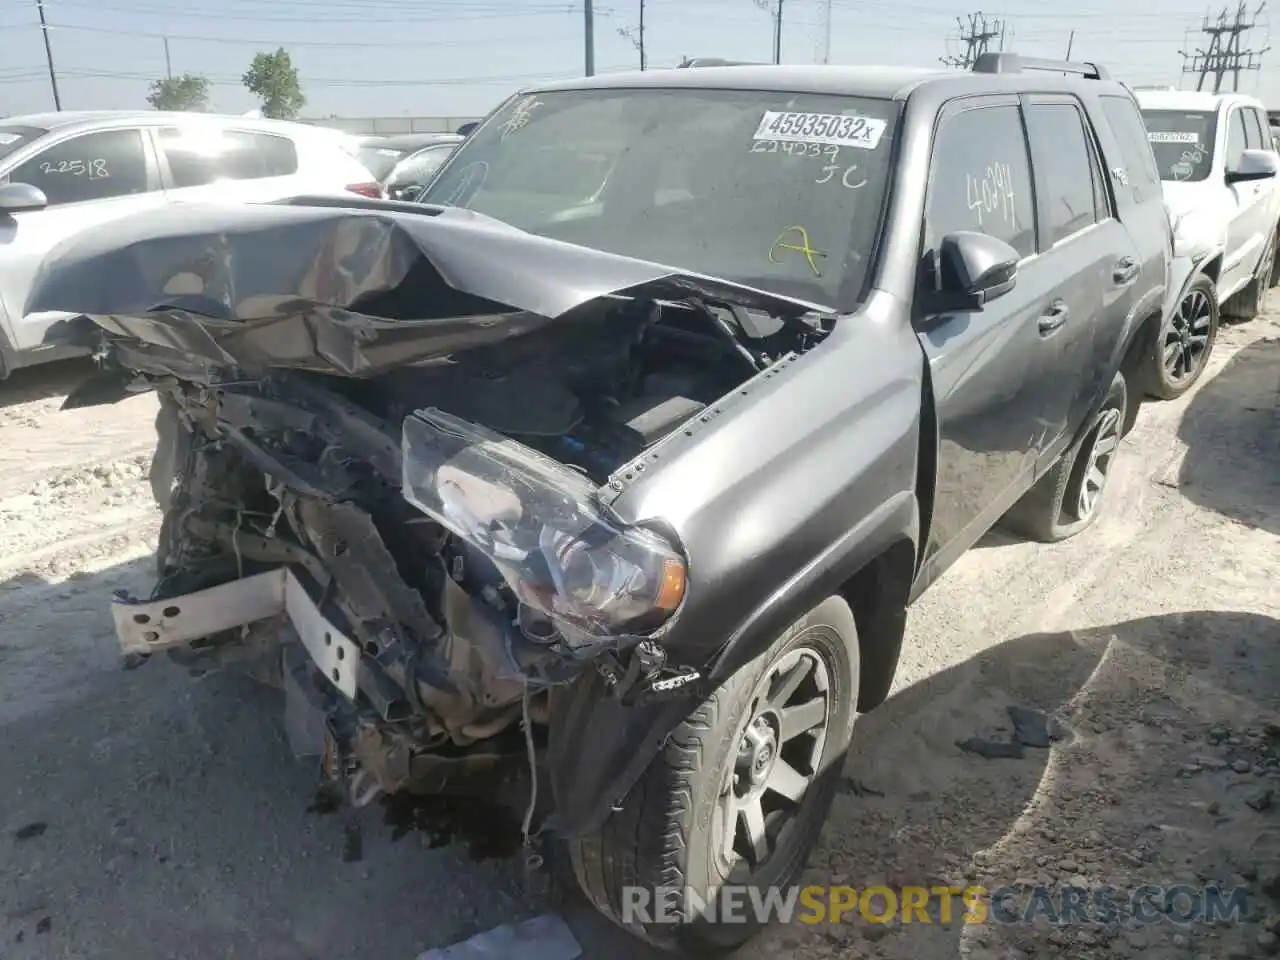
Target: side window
(419,167)
(980,179)
(1135,149)
(1236,139)
(1253,139)
(93,166)
(203,155)
(1067,174)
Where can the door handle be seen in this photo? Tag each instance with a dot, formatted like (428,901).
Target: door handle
(1054,317)
(1126,270)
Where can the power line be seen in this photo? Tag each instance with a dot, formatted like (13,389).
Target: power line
(1224,54)
(636,37)
(976,35)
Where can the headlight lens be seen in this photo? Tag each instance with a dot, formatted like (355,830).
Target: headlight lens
(539,522)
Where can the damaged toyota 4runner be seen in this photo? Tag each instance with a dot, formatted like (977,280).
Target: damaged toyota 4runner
(630,447)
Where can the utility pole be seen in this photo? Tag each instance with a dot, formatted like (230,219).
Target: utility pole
(976,35)
(636,38)
(777,35)
(48,55)
(1224,54)
(168,64)
(824,55)
(589,37)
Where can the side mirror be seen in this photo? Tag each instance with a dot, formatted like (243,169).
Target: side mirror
(1253,165)
(404,191)
(21,198)
(970,270)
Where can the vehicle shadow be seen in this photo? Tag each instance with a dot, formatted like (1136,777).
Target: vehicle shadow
(44,382)
(1109,802)
(1231,429)
(150,814)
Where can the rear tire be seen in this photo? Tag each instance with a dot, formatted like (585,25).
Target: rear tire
(1182,351)
(1069,497)
(733,761)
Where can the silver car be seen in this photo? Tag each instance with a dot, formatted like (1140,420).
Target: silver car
(61,173)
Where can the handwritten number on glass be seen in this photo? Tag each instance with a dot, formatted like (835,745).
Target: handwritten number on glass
(94,169)
(991,196)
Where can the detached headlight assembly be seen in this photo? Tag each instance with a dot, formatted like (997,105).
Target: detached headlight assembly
(537,520)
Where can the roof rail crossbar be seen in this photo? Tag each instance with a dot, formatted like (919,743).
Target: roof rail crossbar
(1013,63)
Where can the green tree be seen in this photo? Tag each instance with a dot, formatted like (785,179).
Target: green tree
(187,92)
(273,78)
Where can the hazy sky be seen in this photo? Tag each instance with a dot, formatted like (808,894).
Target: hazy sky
(360,58)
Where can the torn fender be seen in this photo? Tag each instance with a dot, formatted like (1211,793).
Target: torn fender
(349,290)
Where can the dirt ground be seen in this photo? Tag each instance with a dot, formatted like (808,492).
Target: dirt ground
(146,814)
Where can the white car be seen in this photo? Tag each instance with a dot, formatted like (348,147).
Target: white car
(63,172)
(1217,163)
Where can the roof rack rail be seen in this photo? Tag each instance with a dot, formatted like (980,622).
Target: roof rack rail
(1012,63)
(717,62)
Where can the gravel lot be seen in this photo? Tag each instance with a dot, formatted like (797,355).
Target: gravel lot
(148,815)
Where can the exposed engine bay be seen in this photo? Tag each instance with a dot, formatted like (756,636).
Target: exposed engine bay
(302,468)
(421,513)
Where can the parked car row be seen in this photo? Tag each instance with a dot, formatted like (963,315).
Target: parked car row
(627,456)
(64,173)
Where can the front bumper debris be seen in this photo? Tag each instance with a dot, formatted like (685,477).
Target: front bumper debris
(146,628)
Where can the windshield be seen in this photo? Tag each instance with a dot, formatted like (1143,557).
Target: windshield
(1182,141)
(15,138)
(775,190)
(380,161)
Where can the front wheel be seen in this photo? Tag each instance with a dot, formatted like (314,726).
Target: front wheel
(737,797)
(1182,353)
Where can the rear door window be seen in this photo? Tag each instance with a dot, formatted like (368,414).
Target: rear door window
(202,155)
(980,179)
(93,166)
(1143,180)
(1066,170)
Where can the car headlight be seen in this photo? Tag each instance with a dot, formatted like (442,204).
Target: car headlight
(540,523)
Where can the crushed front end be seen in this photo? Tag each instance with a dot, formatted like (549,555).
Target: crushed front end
(379,463)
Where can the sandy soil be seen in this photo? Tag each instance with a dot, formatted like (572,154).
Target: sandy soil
(149,815)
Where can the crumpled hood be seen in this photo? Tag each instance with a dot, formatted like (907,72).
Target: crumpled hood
(349,289)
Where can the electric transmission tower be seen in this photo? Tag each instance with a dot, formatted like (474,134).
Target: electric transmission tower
(976,35)
(1224,54)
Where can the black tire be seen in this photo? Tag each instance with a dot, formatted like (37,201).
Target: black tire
(1252,300)
(1186,340)
(1055,508)
(668,832)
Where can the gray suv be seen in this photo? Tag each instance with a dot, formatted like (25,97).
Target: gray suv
(628,463)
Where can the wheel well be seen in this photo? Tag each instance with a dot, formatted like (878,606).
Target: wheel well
(1213,269)
(878,596)
(1143,340)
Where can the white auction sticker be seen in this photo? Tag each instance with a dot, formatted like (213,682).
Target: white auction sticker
(835,129)
(1172,136)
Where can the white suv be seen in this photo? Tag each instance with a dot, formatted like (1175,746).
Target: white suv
(1218,165)
(63,172)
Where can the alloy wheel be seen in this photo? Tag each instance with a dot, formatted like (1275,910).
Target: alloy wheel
(1106,438)
(777,759)
(1186,339)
